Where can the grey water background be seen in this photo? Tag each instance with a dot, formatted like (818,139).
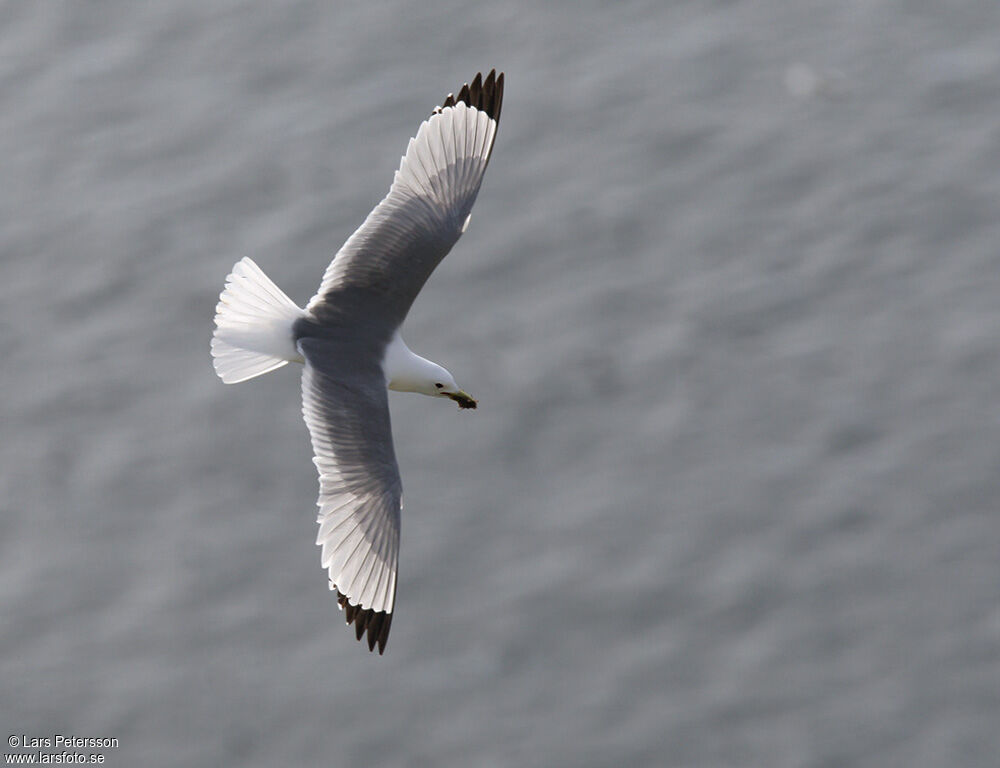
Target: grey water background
(730,301)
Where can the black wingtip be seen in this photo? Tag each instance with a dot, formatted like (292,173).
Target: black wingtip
(484,95)
(375,623)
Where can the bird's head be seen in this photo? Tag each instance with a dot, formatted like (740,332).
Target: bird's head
(407,372)
(444,386)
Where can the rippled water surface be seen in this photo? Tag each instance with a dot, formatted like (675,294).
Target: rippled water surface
(730,302)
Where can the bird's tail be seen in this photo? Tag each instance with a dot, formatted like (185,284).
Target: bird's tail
(253,325)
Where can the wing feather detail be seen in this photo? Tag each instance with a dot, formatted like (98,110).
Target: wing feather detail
(390,257)
(360,491)
(368,289)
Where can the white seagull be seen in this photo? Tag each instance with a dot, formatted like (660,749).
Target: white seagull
(348,338)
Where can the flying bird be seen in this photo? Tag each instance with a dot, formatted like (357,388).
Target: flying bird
(348,340)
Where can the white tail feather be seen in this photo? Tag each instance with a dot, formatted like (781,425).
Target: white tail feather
(253,325)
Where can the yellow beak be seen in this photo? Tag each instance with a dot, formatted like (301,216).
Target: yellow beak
(463,399)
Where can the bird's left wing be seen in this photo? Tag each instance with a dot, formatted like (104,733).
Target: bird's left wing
(360,490)
(389,258)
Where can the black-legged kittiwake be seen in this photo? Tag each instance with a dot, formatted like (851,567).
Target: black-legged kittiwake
(348,340)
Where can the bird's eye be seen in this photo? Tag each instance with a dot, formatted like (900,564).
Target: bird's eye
(439,386)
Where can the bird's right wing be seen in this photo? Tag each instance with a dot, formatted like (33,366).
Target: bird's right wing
(391,255)
(360,490)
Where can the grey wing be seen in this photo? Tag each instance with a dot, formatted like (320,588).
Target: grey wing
(391,255)
(360,490)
